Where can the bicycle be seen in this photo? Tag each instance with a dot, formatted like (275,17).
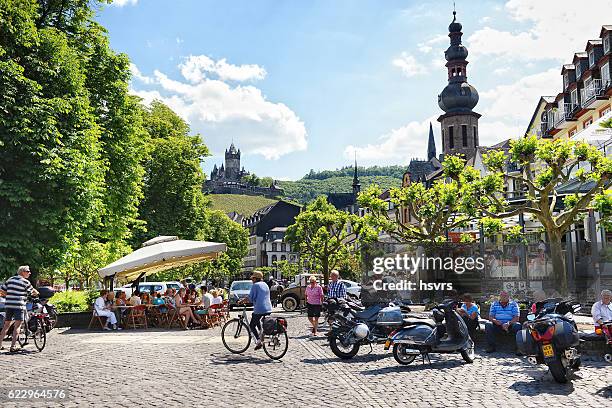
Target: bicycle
(34,327)
(236,336)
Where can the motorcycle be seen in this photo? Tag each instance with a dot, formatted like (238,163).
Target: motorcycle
(449,334)
(353,327)
(550,337)
(606,328)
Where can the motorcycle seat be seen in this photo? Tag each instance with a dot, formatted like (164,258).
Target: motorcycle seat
(368,314)
(417,320)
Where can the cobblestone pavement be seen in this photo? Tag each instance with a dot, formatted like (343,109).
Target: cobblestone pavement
(168,368)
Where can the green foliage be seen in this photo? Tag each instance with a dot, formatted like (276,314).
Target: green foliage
(491,226)
(321,233)
(306,190)
(288,269)
(173,202)
(348,171)
(240,203)
(466,238)
(72,301)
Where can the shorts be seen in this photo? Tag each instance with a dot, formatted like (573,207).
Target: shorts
(14,314)
(313,310)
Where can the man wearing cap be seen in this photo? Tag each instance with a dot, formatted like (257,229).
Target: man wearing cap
(16,289)
(262,306)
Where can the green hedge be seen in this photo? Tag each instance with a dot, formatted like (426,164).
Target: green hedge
(74,301)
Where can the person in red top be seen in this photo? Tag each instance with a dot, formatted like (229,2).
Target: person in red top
(314,302)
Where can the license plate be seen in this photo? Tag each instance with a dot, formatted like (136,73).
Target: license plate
(547,350)
(387,344)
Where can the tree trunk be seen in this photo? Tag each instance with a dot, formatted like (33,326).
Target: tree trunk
(559,271)
(325,267)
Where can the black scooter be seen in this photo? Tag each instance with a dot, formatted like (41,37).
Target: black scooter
(448,335)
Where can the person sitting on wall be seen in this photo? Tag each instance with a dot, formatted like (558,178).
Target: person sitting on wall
(602,311)
(469,313)
(503,318)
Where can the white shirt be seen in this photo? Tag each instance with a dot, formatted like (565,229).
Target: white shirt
(217,301)
(100,304)
(207,300)
(601,311)
(135,301)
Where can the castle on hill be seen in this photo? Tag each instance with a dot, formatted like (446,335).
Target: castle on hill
(228,179)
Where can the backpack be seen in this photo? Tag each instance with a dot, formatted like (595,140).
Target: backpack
(273,325)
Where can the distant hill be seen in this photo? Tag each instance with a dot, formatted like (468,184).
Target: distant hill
(348,171)
(306,190)
(242,204)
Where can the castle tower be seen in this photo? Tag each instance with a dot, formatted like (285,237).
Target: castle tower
(232,163)
(459,122)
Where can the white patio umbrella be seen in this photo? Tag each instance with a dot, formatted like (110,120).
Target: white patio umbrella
(159,254)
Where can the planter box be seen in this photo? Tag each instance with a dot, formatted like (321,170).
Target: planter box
(76,320)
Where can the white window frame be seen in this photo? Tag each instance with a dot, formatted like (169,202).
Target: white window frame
(591,58)
(578,70)
(565,80)
(574,97)
(606,44)
(605,73)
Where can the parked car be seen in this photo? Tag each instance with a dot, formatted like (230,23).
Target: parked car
(239,289)
(352,288)
(150,287)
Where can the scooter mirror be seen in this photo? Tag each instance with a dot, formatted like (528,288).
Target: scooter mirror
(531,317)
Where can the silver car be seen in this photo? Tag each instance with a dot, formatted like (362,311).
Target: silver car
(239,290)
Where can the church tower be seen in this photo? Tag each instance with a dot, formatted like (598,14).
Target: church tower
(459,122)
(356,183)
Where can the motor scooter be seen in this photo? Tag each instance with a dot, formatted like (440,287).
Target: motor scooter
(448,335)
(606,328)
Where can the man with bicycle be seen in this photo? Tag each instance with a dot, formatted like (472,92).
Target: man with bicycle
(16,289)
(262,306)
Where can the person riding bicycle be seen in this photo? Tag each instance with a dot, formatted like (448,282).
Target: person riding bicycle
(262,306)
(16,289)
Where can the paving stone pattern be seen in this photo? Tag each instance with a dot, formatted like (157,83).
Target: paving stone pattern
(189,368)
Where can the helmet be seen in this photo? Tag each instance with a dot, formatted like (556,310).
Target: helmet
(361,331)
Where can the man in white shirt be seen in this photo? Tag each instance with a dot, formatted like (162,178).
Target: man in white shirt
(135,299)
(207,298)
(102,310)
(602,310)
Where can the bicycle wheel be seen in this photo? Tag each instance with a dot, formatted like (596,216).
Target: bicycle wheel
(40,335)
(276,345)
(236,336)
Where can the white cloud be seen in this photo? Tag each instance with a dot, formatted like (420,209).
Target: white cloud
(121,3)
(555,29)
(221,112)
(516,101)
(484,19)
(427,46)
(138,75)
(179,40)
(409,65)
(501,71)
(399,145)
(198,67)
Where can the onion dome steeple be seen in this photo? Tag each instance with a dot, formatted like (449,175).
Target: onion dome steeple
(459,95)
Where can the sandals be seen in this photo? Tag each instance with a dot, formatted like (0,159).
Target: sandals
(13,350)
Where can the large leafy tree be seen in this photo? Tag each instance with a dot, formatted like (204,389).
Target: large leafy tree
(546,168)
(326,236)
(446,205)
(173,202)
(51,162)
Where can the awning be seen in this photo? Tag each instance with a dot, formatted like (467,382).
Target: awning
(160,254)
(595,134)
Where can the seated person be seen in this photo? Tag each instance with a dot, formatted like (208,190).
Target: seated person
(602,311)
(538,296)
(158,300)
(120,302)
(184,311)
(217,300)
(469,313)
(103,310)
(503,318)
(135,299)
(145,299)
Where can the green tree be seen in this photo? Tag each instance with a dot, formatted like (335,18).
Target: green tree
(546,167)
(447,205)
(173,202)
(220,228)
(51,161)
(326,235)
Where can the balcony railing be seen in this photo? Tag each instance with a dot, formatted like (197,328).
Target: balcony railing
(591,92)
(563,113)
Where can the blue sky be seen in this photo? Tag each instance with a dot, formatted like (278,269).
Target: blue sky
(306,84)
